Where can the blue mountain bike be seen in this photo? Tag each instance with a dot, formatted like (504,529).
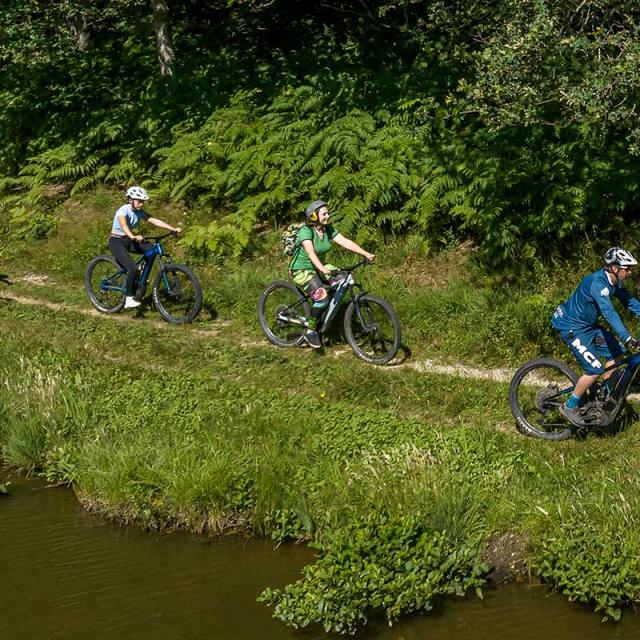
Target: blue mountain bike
(371,326)
(540,386)
(176,291)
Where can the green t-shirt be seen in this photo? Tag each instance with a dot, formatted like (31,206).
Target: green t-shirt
(300,260)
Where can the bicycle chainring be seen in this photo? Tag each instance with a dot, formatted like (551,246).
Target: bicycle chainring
(592,413)
(547,399)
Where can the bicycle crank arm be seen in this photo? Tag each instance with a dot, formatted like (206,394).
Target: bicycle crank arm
(289,320)
(608,416)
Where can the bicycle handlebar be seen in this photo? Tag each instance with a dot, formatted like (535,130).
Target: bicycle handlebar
(162,237)
(362,262)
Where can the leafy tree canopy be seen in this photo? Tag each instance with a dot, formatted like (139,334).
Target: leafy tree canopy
(512,121)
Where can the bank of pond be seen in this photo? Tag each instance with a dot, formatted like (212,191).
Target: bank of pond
(68,573)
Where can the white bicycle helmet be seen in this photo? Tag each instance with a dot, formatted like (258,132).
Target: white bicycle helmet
(138,193)
(620,257)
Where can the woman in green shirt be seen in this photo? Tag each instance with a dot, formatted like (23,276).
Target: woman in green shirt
(307,267)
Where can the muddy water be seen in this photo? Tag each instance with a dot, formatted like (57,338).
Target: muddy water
(65,574)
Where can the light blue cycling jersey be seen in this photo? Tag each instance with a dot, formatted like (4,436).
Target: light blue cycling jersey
(133,219)
(591,299)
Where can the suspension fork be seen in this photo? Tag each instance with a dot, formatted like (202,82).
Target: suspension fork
(355,298)
(163,269)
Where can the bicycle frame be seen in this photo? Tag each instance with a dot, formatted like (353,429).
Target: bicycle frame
(148,259)
(334,304)
(338,295)
(608,407)
(621,388)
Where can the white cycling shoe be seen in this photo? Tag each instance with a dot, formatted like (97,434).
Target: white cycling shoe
(131,303)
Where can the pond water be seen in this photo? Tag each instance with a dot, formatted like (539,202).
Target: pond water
(66,574)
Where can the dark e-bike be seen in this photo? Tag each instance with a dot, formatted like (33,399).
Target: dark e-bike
(540,386)
(371,325)
(176,292)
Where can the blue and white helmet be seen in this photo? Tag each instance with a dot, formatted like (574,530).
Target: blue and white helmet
(620,257)
(138,193)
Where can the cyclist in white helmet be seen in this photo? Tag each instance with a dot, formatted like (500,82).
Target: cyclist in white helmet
(576,320)
(123,241)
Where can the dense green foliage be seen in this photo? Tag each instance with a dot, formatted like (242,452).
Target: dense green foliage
(594,566)
(512,122)
(377,565)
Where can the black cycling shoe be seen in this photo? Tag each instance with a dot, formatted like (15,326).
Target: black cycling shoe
(312,339)
(572,415)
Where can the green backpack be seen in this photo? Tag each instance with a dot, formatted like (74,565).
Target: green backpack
(289,238)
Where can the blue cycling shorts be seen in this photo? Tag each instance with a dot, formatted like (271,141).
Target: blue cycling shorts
(592,348)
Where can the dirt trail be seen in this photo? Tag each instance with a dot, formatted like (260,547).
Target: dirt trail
(425,366)
(60,306)
(460,369)
(463,371)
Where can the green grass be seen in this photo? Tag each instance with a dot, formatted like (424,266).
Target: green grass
(448,306)
(208,427)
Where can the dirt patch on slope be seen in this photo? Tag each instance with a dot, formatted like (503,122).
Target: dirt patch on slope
(506,557)
(435,271)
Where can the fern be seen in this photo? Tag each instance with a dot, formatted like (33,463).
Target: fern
(267,161)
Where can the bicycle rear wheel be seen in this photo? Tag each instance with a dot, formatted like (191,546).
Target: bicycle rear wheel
(282,310)
(537,390)
(372,329)
(105,284)
(177,294)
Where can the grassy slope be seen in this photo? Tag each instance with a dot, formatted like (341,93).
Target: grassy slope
(211,428)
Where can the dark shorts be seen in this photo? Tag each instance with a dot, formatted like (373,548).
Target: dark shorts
(592,348)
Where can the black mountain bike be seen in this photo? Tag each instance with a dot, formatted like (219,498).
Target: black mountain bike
(540,386)
(176,291)
(371,325)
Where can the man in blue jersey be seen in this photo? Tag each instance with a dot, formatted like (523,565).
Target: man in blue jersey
(577,323)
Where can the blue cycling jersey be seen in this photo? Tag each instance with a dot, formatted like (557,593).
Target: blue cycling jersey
(591,299)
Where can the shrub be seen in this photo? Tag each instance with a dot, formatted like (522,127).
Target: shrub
(377,565)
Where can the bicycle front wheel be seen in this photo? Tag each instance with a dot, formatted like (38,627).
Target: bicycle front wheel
(372,329)
(282,310)
(105,284)
(177,294)
(537,390)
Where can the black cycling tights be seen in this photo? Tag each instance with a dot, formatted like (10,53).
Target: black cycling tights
(122,248)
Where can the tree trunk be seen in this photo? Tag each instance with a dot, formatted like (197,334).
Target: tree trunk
(166,54)
(79,28)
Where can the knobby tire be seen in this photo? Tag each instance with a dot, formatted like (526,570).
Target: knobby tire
(536,391)
(182,302)
(105,301)
(375,333)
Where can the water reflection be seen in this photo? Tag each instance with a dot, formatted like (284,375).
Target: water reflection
(66,574)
